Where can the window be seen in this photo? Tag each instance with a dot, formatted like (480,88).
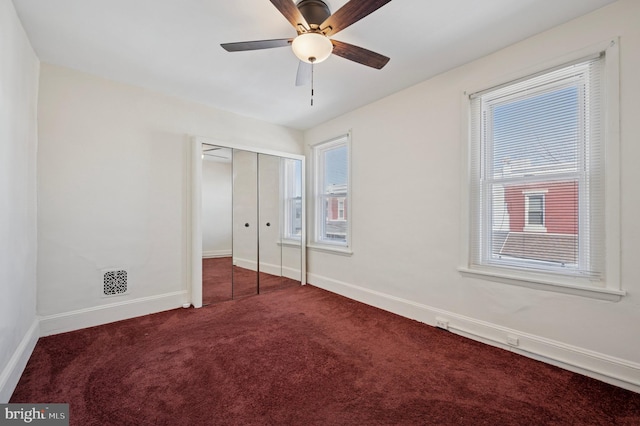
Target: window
(534,211)
(537,183)
(341,215)
(331,182)
(292,199)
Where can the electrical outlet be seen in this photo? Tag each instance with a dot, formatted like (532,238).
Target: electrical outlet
(512,340)
(442,323)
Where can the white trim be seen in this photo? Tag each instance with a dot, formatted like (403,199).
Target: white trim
(535,227)
(269,268)
(226,144)
(195,214)
(210,254)
(327,248)
(249,264)
(15,367)
(303,221)
(288,242)
(291,273)
(613,370)
(104,314)
(543,282)
(317,242)
(612,162)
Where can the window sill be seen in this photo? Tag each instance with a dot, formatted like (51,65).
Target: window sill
(534,228)
(542,283)
(289,243)
(340,250)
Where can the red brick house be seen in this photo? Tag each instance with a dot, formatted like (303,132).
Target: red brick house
(540,220)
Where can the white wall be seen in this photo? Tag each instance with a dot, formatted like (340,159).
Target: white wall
(407,182)
(18,145)
(216,208)
(113,185)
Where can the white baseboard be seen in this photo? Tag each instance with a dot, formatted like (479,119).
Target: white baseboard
(10,375)
(249,264)
(616,371)
(291,273)
(269,268)
(216,253)
(98,315)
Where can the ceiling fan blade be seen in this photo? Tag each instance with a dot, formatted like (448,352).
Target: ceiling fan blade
(256,45)
(291,12)
(304,73)
(359,54)
(350,13)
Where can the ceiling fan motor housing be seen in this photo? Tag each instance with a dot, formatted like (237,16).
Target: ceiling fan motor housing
(314,11)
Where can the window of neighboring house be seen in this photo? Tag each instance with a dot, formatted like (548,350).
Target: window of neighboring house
(331,184)
(537,178)
(534,215)
(292,199)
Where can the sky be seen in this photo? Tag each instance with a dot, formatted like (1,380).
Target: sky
(336,166)
(542,128)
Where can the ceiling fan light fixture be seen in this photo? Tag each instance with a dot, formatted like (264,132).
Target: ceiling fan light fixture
(312,47)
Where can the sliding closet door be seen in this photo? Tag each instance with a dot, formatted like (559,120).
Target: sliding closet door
(260,246)
(216,224)
(270,212)
(280,231)
(292,221)
(245,223)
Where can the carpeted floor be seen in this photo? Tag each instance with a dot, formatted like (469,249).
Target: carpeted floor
(304,356)
(218,276)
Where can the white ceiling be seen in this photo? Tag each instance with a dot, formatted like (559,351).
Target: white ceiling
(173,46)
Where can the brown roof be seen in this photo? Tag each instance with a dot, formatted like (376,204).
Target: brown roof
(561,248)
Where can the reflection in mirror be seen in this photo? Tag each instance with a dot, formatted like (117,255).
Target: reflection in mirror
(292,221)
(269,202)
(216,224)
(251,222)
(280,209)
(245,223)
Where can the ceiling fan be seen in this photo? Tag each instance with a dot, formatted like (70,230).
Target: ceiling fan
(314,24)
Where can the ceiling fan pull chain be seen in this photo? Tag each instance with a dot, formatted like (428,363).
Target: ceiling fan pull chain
(312,83)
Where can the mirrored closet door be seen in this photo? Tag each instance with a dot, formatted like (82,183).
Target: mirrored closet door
(258,231)
(245,223)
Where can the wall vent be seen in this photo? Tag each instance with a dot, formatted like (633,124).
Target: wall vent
(114,283)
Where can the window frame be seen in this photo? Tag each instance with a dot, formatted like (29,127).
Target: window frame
(290,200)
(341,209)
(609,288)
(535,227)
(320,197)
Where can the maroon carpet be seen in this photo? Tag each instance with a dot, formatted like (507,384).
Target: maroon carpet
(217,277)
(304,356)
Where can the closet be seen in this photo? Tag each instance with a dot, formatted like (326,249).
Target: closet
(252,222)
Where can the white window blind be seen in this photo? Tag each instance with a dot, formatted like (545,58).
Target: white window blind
(537,173)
